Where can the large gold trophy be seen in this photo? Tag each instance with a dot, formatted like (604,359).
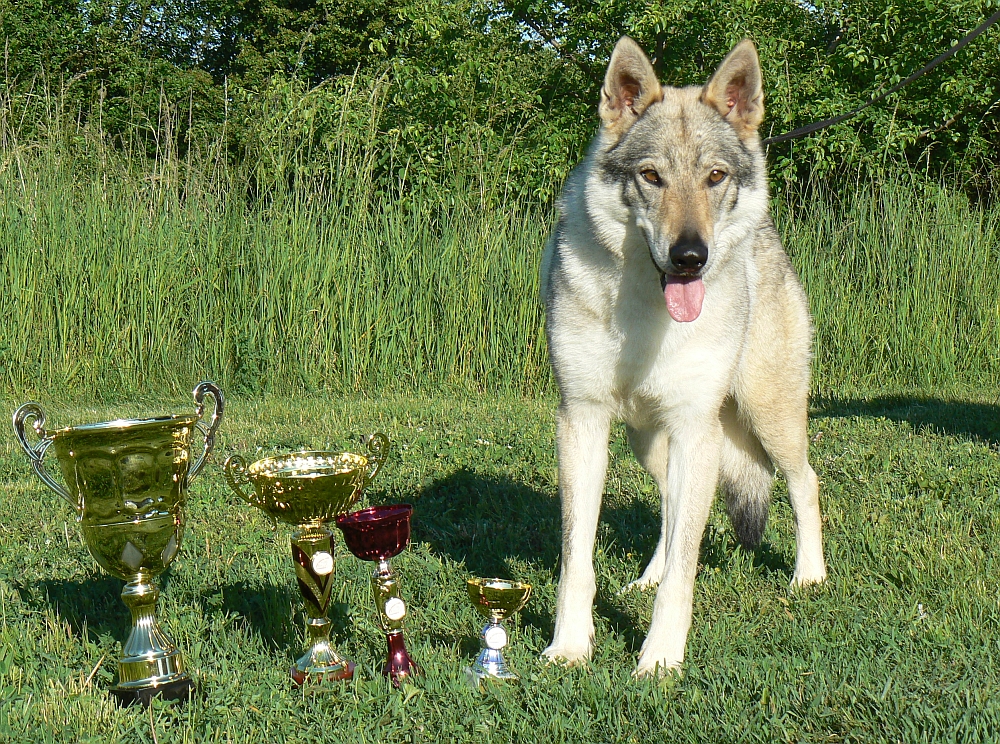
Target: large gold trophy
(127,480)
(309,490)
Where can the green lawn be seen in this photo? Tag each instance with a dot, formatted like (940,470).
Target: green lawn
(900,645)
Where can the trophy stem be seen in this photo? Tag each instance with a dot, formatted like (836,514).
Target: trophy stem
(391,611)
(151,664)
(490,663)
(312,552)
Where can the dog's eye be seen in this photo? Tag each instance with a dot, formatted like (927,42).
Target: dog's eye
(716,176)
(651,176)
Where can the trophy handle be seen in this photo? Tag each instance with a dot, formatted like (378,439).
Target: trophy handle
(377,445)
(213,424)
(235,469)
(31,414)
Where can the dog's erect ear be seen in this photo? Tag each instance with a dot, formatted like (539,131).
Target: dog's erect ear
(630,86)
(736,89)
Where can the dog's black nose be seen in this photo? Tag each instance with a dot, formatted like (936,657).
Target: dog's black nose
(688,255)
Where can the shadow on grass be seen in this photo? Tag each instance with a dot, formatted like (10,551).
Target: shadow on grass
(93,606)
(491,523)
(275,614)
(977,420)
(488,522)
(267,611)
(717,548)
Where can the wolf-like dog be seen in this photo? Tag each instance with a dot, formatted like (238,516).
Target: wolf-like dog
(671,305)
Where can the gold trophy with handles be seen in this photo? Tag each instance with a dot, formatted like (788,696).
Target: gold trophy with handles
(309,490)
(127,481)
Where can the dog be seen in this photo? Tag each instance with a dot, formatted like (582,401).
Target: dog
(671,305)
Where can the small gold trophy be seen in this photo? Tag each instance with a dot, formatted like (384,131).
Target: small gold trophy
(309,490)
(496,599)
(127,480)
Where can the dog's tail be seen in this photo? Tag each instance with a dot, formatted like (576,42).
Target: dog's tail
(748,513)
(746,477)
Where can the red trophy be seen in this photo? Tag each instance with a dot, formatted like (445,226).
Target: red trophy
(377,534)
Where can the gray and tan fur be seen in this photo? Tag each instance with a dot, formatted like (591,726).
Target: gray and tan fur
(671,305)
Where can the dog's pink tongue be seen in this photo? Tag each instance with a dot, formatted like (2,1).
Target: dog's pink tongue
(684,296)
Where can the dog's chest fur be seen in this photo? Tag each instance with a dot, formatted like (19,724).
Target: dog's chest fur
(611,339)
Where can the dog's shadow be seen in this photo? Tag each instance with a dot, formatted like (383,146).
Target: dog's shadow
(489,522)
(975,420)
(275,613)
(492,524)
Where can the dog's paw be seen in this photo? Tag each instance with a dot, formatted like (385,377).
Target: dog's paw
(641,584)
(566,655)
(660,656)
(650,578)
(805,578)
(656,668)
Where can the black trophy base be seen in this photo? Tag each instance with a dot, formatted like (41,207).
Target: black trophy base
(180,689)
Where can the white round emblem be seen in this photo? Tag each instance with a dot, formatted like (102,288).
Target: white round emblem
(496,638)
(322,563)
(395,608)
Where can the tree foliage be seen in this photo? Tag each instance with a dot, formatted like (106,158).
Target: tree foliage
(509,86)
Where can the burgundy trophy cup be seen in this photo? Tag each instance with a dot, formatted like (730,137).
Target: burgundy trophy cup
(377,534)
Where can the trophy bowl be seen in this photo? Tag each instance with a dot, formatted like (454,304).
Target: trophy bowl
(127,481)
(308,490)
(496,600)
(303,487)
(377,534)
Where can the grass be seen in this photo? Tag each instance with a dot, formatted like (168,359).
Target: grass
(902,284)
(332,308)
(900,645)
(110,289)
(137,281)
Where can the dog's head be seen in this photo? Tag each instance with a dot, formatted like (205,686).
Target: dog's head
(689,163)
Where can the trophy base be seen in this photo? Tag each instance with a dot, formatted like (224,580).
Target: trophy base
(476,675)
(489,665)
(399,666)
(179,689)
(321,663)
(317,675)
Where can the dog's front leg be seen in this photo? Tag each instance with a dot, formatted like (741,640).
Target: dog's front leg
(582,447)
(692,476)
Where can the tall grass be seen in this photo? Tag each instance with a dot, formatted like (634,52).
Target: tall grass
(120,272)
(903,279)
(103,289)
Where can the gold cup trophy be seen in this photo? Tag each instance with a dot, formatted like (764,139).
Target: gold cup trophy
(496,600)
(309,490)
(127,481)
